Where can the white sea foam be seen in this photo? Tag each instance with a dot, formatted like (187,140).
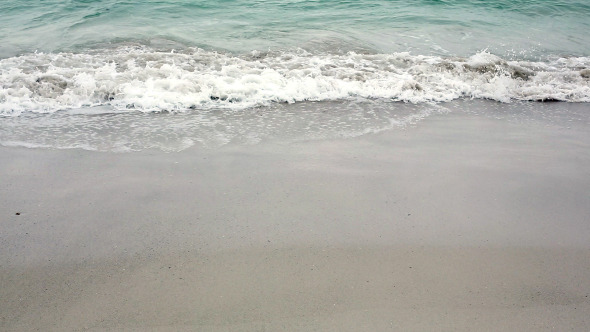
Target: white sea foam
(34,145)
(137,78)
(133,98)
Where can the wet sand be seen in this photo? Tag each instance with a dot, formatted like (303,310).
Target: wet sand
(462,222)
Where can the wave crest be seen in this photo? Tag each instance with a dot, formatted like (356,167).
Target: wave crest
(137,78)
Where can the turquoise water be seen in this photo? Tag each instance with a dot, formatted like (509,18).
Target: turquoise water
(506,28)
(67,67)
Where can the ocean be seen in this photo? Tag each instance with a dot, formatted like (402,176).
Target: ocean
(111,75)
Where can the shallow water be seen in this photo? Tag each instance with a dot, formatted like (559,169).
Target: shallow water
(456,27)
(98,129)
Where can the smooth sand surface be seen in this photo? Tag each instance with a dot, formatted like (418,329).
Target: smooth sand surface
(462,222)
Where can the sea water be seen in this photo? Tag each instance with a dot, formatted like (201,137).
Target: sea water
(117,75)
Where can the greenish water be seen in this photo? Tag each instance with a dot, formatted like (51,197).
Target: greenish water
(455,27)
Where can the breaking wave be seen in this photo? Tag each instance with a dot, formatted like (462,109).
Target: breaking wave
(136,78)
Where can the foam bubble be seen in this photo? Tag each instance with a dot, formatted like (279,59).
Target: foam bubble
(137,78)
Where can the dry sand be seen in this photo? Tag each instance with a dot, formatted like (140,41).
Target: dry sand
(462,222)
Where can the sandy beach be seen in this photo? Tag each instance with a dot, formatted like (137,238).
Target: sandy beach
(469,220)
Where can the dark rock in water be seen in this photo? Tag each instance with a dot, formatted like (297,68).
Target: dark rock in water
(110,96)
(585,73)
(222,98)
(56,81)
(549,100)
(522,73)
